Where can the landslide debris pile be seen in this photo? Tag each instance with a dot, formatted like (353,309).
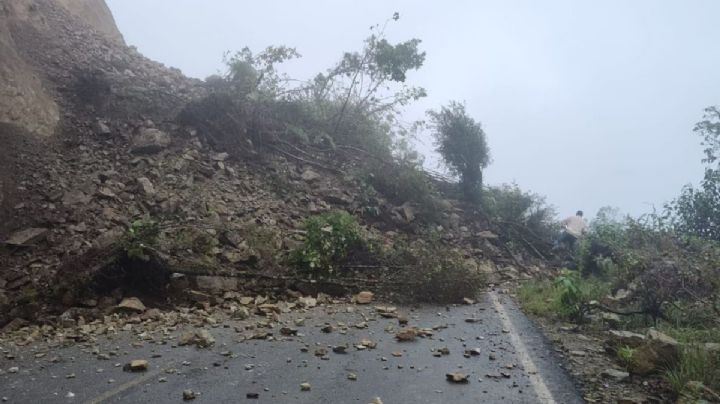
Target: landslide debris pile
(121,161)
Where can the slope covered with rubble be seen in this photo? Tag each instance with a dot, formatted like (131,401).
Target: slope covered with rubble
(120,155)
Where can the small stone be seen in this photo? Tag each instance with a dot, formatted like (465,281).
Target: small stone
(131,304)
(457,377)
(14,369)
(352,376)
(407,334)
(189,395)
(615,374)
(252,396)
(305,386)
(364,297)
(138,365)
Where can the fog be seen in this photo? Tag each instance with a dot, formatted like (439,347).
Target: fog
(588,103)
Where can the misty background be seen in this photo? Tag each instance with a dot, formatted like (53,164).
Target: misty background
(587,103)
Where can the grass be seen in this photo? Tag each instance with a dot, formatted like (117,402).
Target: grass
(541,298)
(695,365)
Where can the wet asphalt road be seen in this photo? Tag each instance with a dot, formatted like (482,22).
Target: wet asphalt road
(275,369)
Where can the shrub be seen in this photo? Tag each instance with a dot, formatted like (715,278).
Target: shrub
(403,182)
(434,273)
(525,217)
(576,294)
(141,238)
(329,239)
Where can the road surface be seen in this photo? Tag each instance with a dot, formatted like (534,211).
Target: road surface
(515,364)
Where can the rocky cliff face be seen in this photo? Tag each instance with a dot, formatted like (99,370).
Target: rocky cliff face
(26,99)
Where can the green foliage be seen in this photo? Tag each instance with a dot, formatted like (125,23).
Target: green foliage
(695,365)
(696,212)
(576,294)
(402,182)
(508,204)
(141,237)
(256,76)
(461,142)
(541,298)
(626,354)
(330,238)
(435,273)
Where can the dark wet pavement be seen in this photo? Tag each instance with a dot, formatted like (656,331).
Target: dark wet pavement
(396,372)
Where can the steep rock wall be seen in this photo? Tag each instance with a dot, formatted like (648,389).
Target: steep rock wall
(25,99)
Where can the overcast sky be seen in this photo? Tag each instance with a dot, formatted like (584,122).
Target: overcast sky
(590,103)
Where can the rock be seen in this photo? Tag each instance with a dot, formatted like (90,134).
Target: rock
(696,392)
(407,334)
(310,176)
(614,374)
(76,197)
(620,339)
(102,129)
(611,319)
(468,301)
(241,313)
(189,395)
(407,212)
(216,283)
(307,302)
(27,236)
(139,365)
(130,304)
(149,141)
(457,377)
(200,338)
(252,396)
(656,353)
(364,297)
(352,376)
(305,386)
(145,186)
(14,325)
(220,156)
(712,347)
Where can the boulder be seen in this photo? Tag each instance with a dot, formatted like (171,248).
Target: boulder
(310,176)
(149,141)
(145,186)
(658,352)
(200,338)
(611,319)
(618,339)
(364,297)
(27,236)
(131,304)
(614,374)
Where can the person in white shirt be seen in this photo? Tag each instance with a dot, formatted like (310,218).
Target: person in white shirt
(573,229)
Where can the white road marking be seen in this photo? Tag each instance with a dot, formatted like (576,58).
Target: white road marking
(541,389)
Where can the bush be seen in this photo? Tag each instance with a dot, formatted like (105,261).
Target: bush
(576,294)
(329,239)
(403,182)
(434,273)
(567,298)
(141,238)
